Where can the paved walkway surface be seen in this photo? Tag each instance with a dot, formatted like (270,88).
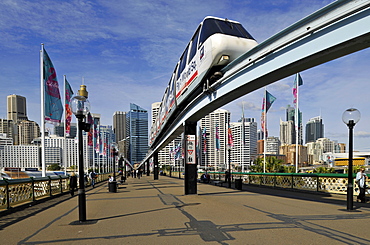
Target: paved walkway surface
(147,211)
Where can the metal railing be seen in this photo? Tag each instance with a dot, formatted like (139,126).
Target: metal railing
(316,182)
(14,192)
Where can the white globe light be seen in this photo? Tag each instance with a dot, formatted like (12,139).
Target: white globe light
(351,115)
(80,105)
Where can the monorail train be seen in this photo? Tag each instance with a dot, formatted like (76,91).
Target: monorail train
(215,43)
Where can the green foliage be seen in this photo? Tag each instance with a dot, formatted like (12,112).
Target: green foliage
(273,165)
(54,167)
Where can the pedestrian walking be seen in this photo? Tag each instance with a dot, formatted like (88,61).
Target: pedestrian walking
(93,177)
(361,182)
(72,184)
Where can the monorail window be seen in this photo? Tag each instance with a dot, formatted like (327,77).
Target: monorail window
(193,49)
(213,26)
(183,63)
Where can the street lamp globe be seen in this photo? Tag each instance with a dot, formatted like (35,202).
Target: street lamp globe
(351,116)
(80,106)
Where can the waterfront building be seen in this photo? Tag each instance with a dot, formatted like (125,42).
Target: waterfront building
(19,156)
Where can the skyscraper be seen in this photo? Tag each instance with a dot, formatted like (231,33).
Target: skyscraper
(137,133)
(290,116)
(216,150)
(314,129)
(119,125)
(17,109)
(244,150)
(287,132)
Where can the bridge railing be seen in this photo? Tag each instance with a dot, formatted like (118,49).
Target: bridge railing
(317,182)
(14,192)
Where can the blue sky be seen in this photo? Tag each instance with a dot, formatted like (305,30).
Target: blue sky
(126,51)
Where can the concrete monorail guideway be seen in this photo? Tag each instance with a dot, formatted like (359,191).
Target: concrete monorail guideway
(336,30)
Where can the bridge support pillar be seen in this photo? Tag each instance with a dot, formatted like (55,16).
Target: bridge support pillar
(155,164)
(191,174)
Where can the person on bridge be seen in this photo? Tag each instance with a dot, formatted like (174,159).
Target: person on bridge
(72,184)
(93,177)
(361,182)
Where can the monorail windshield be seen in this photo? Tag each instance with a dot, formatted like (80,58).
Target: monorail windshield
(213,26)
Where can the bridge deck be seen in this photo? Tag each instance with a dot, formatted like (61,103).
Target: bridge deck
(147,211)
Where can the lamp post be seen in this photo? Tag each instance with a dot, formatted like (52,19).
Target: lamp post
(80,108)
(114,154)
(350,117)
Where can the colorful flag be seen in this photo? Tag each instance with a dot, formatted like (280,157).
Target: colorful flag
(297,82)
(217,139)
(204,136)
(230,139)
(266,102)
(53,103)
(68,94)
(178,151)
(90,134)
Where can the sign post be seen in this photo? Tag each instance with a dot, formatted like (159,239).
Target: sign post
(191,173)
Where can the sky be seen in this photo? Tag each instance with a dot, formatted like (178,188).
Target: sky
(126,50)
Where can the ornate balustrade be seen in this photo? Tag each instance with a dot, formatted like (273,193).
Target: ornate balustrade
(19,191)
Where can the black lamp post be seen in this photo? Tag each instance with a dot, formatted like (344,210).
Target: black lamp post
(114,154)
(81,107)
(350,118)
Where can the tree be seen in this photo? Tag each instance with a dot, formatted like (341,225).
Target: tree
(54,167)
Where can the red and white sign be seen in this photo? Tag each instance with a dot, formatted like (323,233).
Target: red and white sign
(190,148)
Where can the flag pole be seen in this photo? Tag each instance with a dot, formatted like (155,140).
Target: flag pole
(297,123)
(65,127)
(264,131)
(242,145)
(42,111)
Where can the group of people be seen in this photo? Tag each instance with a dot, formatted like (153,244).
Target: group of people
(73,181)
(135,173)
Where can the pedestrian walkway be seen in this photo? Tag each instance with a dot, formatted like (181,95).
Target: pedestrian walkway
(147,211)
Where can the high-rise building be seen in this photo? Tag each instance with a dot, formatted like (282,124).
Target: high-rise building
(290,116)
(215,154)
(27,131)
(9,128)
(155,110)
(59,130)
(272,145)
(119,125)
(17,109)
(244,150)
(137,133)
(314,129)
(287,132)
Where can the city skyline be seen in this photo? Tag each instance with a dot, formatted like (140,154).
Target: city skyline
(123,50)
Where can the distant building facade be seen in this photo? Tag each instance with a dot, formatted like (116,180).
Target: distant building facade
(314,129)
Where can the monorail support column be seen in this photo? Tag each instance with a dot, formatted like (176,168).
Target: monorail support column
(147,168)
(155,164)
(190,157)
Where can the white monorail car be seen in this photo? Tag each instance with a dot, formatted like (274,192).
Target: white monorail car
(215,43)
